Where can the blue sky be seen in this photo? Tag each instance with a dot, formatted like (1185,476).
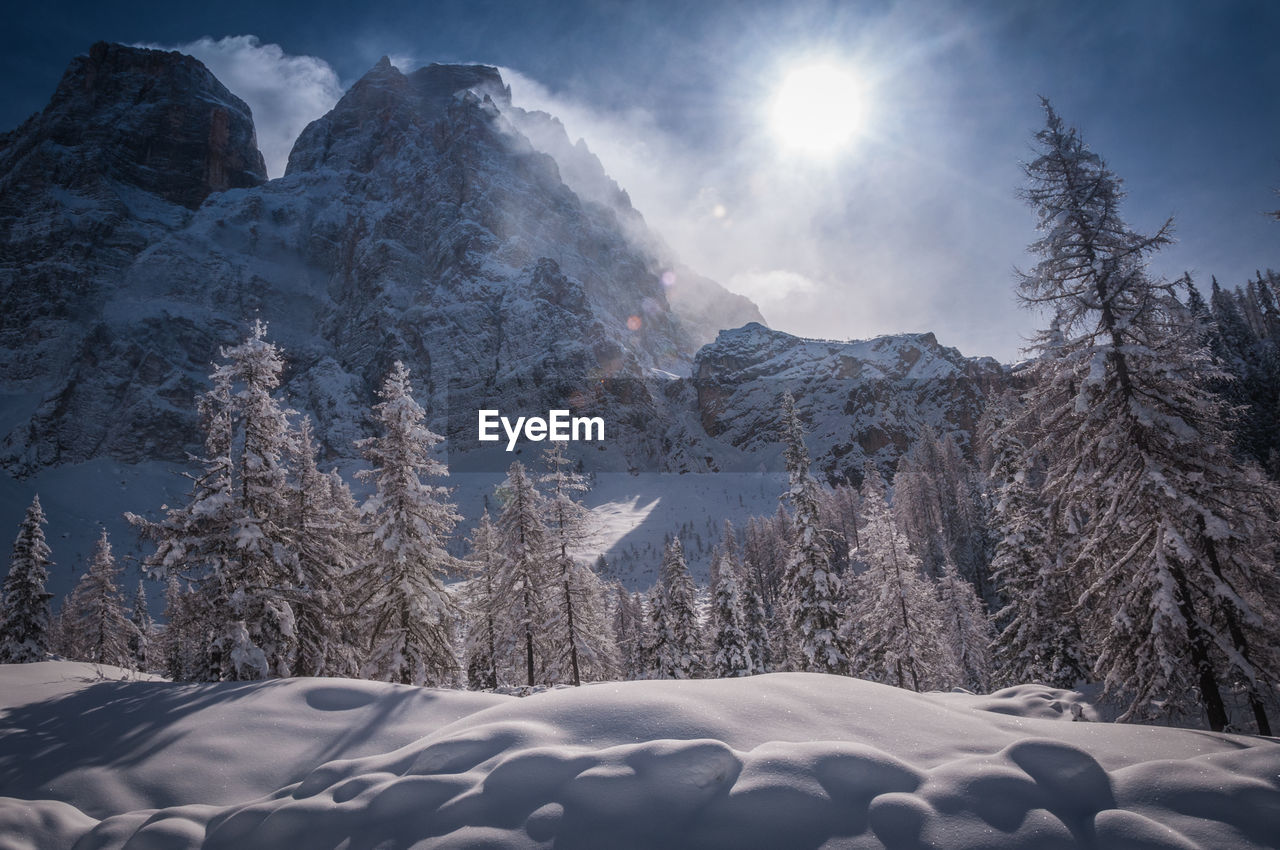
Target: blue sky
(914,226)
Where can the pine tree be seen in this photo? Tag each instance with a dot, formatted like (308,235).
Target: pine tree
(897,623)
(1172,532)
(25,618)
(756,626)
(95,625)
(231,540)
(814,600)
(267,563)
(525,569)
(577,634)
(730,650)
(674,650)
(409,612)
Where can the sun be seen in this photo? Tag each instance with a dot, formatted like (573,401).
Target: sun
(818,108)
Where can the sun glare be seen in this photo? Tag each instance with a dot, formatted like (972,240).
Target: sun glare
(818,108)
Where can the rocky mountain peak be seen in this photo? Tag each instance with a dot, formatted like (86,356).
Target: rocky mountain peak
(384,110)
(152,119)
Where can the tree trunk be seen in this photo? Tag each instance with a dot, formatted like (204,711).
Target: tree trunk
(1210,694)
(573,640)
(528,648)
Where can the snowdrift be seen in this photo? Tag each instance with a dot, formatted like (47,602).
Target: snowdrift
(779,761)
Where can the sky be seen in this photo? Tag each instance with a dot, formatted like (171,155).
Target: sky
(913,223)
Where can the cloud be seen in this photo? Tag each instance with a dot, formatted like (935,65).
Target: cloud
(897,234)
(285,92)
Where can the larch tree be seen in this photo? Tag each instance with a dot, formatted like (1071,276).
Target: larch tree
(1172,534)
(25,616)
(814,598)
(524,573)
(324,525)
(936,499)
(95,626)
(577,630)
(409,613)
(482,607)
(897,626)
(1039,637)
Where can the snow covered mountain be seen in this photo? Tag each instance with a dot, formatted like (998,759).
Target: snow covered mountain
(859,400)
(425,218)
(414,223)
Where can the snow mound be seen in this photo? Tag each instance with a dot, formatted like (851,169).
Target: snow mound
(1038,701)
(779,761)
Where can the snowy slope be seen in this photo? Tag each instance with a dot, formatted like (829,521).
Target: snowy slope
(779,761)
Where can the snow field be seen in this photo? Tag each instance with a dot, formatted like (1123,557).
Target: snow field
(785,760)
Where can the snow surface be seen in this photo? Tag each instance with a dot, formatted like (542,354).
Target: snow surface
(788,760)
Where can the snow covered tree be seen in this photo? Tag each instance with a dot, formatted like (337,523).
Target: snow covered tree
(482,607)
(231,539)
(675,640)
(755,623)
(94,623)
(183,643)
(1040,638)
(1174,535)
(324,525)
(936,499)
(755,617)
(629,632)
(25,618)
(524,572)
(730,649)
(813,593)
(577,634)
(968,629)
(840,508)
(897,625)
(409,613)
(140,643)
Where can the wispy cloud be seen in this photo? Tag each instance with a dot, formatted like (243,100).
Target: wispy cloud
(285,91)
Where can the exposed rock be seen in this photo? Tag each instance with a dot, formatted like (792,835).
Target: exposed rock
(132,140)
(858,400)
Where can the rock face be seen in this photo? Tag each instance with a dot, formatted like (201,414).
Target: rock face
(424,219)
(130,143)
(858,400)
